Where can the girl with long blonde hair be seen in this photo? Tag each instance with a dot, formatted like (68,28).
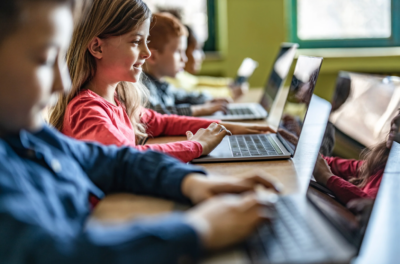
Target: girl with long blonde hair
(105,104)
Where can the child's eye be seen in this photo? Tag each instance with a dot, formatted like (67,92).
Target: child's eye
(136,42)
(147,42)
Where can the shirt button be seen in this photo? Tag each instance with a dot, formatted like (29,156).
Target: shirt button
(56,166)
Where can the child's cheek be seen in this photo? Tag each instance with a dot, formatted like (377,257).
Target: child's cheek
(45,78)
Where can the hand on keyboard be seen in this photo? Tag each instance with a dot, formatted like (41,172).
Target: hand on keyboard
(199,188)
(225,220)
(210,137)
(209,108)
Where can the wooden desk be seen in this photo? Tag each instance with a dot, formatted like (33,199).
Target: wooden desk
(293,173)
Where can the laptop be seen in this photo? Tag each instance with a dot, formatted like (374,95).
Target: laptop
(245,70)
(280,145)
(312,229)
(254,111)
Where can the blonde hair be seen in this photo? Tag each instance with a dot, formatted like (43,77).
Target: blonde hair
(106,18)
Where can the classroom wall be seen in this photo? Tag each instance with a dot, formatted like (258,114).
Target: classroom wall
(255,28)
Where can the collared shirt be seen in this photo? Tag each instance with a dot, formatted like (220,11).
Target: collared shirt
(45,181)
(166,99)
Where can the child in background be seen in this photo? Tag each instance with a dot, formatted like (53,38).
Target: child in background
(105,103)
(168,38)
(215,86)
(354,179)
(46,178)
(187,79)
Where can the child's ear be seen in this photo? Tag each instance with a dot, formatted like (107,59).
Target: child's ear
(95,48)
(153,58)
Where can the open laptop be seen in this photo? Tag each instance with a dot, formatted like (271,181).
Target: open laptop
(279,145)
(245,70)
(311,229)
(254,111)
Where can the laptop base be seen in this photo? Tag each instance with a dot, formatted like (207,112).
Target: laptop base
(241,112)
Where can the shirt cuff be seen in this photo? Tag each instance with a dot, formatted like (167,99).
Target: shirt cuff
(181,172)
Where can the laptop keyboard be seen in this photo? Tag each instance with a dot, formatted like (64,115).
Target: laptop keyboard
(253,145)
(240,111)
(288,238)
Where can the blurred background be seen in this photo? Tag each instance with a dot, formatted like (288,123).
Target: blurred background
(352,35)
(357,36)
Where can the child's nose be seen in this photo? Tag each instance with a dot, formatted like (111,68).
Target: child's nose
(184,58)
(146,53)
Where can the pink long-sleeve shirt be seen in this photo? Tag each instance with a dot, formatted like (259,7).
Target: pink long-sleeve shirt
(91,117)
(343,170)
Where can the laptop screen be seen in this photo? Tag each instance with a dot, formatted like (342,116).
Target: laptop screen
(278,74)
(298,100)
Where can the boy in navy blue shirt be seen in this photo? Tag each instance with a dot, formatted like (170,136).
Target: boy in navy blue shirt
(46,178)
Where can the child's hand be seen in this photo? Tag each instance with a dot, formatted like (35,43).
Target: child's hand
(244,128)
(322,171)
(239,90)
(292,138)
(209,108)
(199,188)
(225,220)
(210,137)
(221,100)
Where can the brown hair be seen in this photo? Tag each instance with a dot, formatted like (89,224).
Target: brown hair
(374,160)
(106,18)
(164,27)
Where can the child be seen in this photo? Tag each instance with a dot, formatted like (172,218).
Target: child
(46,178)
(215,86)
(353,179)
(104,104)
(167,44)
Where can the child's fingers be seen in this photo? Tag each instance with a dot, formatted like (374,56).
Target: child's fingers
(189,135)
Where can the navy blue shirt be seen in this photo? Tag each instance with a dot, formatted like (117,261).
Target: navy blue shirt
(45,181)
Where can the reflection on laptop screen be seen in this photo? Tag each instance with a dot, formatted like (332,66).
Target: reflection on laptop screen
(299,97)
(278,75)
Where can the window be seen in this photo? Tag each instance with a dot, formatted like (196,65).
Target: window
(345,23)
(198,14)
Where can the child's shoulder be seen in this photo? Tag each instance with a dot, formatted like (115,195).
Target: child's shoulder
(86,97)
(88,100)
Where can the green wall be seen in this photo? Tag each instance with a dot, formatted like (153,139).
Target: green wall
(255,28)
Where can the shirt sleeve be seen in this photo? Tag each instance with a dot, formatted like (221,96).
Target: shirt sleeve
(185,151)
(95,125)
(161,240)
(184,97)
(344,190)
(172,125)
(344,168)
(126,169)
(92,123)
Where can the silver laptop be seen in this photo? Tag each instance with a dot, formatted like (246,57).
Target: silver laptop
(254,111)
(311,229)
(316,228)
(280,145)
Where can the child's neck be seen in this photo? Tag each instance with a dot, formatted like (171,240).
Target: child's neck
(104,88)
(155,74)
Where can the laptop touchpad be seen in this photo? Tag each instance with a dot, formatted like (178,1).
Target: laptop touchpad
(222,150)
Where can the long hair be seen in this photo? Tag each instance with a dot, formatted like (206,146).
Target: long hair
(374,160)
(106,18)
